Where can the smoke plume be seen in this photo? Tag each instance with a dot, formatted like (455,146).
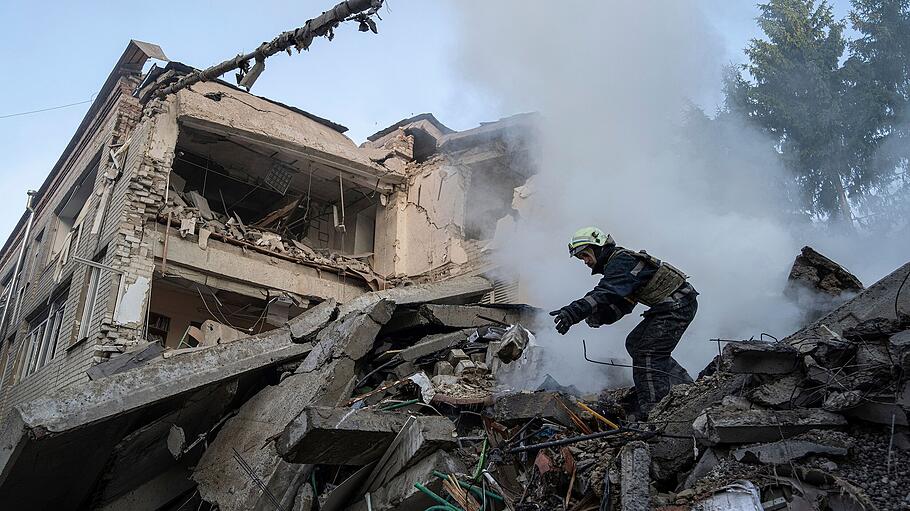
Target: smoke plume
(615,84)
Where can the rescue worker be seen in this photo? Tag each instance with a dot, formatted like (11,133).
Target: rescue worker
(630,278)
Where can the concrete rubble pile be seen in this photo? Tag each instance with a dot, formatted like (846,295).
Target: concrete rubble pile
(192,214)
(818,284)
(400,400)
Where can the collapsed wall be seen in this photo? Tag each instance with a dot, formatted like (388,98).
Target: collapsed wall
(395,401)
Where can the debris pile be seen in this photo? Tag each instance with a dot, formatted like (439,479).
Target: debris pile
(191,214)
(818,284)
(399,400)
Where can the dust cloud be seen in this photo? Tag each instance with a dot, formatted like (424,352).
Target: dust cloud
(622,148)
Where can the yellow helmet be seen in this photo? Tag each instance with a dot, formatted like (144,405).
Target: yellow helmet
(588,236)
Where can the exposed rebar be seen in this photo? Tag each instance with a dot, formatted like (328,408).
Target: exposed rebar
(300,38)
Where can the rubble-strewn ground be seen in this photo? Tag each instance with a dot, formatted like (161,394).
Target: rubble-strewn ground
(398,401)
(887,484)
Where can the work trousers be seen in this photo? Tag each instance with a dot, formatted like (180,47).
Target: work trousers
(651,344)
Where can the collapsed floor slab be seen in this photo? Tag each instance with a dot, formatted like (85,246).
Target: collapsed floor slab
(467,316)
(453,291)
(245,444)
(878,300)
(831,443)
(400,493)
(344,436)
(74,432)
(723,426)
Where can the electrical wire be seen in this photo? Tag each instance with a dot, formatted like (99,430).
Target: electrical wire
(18,114)
(210,310)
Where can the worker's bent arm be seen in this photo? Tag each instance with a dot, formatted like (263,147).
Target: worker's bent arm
(609,300)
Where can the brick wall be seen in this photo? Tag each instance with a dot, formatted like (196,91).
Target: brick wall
(112,125)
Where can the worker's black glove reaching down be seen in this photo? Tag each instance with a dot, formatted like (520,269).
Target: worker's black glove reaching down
(563,320)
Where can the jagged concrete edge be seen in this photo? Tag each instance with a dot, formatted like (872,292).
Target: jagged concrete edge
(107,398)
(883,290)
(434,292)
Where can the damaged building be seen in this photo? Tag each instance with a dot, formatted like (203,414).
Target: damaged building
(217,301)
(215,214)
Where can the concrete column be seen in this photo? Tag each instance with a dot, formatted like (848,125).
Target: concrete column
(635,459)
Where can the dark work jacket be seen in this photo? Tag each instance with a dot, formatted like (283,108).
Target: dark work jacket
(610,301)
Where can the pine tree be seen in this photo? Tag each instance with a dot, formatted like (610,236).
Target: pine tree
(797,95)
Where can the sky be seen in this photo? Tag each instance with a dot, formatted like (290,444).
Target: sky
(60,53)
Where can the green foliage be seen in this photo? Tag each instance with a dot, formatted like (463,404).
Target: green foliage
(836,117)
(796,95)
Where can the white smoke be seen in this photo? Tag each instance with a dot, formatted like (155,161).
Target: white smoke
(613,85)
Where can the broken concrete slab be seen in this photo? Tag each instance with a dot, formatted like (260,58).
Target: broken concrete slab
(465,366)
(400,494)
(818,284)
(780,392)
(345,436)
(671,456)
(523,406)
(432,344)
(200,203)
(304,499)
(468,316)
(455,356)
(706,462)
(830,443)
(410,445)
(125,362)
(75,431)
(443,368)
(878,300)
(759,357)
(876,329)
(457,290)
(305,325)
(816,270)
(214,333)
(724,426)
(878,409)
(405,319)
(324,378)
(635,482)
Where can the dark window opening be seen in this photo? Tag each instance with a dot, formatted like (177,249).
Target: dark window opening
(186,314)
(250,193)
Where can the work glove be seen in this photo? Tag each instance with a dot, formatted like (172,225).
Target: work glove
(563,319)
(593,322)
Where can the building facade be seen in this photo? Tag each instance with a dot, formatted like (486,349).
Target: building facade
(213,213)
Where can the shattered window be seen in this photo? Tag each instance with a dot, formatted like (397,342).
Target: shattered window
(71,212)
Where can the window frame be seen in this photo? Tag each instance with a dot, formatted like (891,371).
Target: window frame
(88,307)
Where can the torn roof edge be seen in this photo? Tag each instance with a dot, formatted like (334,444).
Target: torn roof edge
(486,130)
(180,67)
(420,117)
